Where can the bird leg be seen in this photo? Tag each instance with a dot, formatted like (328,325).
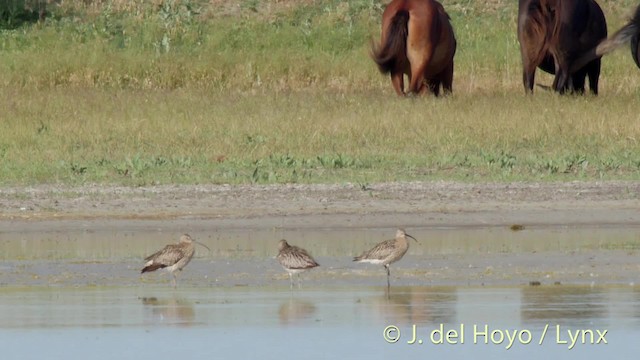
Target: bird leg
(291,280)
(299,282)
(388,276)
(174,280)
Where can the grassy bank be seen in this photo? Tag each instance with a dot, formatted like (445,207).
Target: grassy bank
(144,92)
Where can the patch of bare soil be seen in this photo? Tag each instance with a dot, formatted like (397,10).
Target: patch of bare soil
(451,203)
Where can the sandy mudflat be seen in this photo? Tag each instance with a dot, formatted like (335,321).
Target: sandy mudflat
(439,204)
(614,202)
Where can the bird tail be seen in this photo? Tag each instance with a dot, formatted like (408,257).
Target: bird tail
(152,267)
(357,258)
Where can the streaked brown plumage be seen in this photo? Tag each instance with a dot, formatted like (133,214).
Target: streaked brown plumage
(294,260)
(387,252)
(173,257)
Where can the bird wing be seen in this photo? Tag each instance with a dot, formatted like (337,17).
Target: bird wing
(294,257)
(168,256)
(378,252)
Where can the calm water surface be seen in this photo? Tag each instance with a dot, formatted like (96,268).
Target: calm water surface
(324,323)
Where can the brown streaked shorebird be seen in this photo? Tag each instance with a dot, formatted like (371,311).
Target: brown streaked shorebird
(387,252)
(294,260)
(173,257)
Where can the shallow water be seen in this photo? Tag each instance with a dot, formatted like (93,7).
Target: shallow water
(320,323)
(88,300)
(91,241)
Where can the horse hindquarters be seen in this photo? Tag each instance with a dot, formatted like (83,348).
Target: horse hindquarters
(581,26)
(445,76)
(432,47)
(417,40)
(447,73)
(422,40)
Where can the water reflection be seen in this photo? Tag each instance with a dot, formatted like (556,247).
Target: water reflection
(406,305)
(295,312)
(320,322)
(171,311)
(267,307)
(571,305)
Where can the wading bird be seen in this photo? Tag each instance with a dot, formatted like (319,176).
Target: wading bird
(173,257)
(294,260)
(387,252)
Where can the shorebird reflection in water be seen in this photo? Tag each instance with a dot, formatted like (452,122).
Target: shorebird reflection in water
(387,252)
(173,257)
(294,260)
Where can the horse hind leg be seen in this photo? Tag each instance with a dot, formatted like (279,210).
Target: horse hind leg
(419,56)
(416,85)
(444,79)
(562,81)
(419,61)
(594,74)
(434,86)
(447,79)
(577,82)
(529,77)
(397,79)
(531,58)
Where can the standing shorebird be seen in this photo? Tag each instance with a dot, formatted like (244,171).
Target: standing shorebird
(294,260)
(173,257)
(387,252)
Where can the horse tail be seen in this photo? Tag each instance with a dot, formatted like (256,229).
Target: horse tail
(628,33)
(635,50)
(387,55)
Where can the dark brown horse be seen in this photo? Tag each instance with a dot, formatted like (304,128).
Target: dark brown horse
(630,32)
(635,43)
(417,40)
(553,34)
(533,14)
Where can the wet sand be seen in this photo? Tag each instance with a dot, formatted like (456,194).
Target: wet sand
(591,232)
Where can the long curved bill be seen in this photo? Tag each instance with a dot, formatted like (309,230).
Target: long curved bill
(414,239)
(201,244)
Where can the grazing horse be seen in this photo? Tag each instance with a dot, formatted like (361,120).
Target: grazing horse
(553,34)
(417,40)
(630,32)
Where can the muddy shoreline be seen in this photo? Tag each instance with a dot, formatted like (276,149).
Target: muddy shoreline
(296,209)
(613,202)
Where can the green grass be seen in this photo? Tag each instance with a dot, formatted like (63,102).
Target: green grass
(267,92)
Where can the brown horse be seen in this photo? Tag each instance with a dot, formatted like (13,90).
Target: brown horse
(553,34)
(417,40)
(630,32)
